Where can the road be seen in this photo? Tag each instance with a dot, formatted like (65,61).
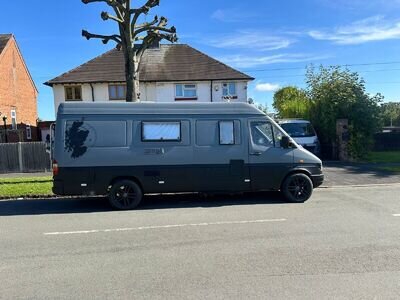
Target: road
(344,243)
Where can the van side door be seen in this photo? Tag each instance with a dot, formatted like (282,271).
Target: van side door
(268,161)
(220,155)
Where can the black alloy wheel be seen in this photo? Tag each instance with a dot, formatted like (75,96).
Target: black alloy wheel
(297,188)
(125,195)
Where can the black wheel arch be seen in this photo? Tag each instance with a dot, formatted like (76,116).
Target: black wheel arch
(132,178)
(297,171)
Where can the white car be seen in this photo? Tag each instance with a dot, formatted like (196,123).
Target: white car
(303,133)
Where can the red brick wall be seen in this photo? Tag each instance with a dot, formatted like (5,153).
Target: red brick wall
(17,91)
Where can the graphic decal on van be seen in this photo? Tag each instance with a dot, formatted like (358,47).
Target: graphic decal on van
(75,138)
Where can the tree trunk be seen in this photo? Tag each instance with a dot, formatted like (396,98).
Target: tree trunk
(131,63)
(136,85)
(132,76)
(129,76)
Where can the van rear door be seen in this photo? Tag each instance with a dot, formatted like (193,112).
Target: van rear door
(268,161)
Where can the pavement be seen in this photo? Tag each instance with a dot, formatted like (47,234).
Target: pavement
(344,243)
(19,175)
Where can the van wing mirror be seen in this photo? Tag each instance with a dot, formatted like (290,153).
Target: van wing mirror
(285,142)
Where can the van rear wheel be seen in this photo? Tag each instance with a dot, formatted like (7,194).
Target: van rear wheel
(125,195)
(297,188)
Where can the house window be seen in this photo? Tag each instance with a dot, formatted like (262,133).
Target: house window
(226,133)
(28,132)
(117,91)
(229,90)
(186,92)
(14,125)
(73,93)
(161,131)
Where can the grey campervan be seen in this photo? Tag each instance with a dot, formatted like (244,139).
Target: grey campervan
(126,150)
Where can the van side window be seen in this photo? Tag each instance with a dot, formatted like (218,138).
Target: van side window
(161,131)
(262,133)
(226,133)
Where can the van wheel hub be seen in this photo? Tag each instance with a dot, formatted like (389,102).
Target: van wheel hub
(298,188)
(125,194)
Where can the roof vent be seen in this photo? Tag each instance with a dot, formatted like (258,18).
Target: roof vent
(155,45)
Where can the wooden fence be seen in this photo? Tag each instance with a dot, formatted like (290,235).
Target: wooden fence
(387,141)
(24,157)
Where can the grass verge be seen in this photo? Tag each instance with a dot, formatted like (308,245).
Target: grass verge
(384,157)
(25,186)
(393,169)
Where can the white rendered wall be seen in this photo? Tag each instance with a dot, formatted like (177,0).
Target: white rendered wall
(156,92)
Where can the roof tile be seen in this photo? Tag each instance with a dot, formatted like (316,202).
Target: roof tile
(4,38)
(176,62)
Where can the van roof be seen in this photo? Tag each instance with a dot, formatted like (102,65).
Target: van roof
(293,121)
(147,108)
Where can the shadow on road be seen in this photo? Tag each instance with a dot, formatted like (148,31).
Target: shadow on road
(93,205)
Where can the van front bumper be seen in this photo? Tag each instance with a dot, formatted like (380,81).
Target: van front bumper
(317,180)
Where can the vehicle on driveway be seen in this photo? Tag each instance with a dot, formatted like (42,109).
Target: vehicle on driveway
(303,133)
(126,150)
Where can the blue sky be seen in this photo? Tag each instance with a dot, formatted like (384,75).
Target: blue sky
(271,40)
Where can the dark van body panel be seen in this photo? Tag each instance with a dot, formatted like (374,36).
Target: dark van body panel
(70,181)
(97,144)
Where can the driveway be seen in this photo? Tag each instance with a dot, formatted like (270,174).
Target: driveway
(339,174)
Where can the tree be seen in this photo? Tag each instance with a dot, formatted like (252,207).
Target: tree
(130,32)
(340,94)
(390,113)
(263,108)
(292,102)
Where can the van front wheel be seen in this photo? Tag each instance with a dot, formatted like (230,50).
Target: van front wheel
(297,188)
(125,195)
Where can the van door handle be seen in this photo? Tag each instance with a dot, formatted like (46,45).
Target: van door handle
(256,153)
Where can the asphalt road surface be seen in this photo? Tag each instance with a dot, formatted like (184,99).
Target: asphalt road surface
(343,243)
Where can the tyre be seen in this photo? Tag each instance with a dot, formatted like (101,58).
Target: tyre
(125,195)
(297,188)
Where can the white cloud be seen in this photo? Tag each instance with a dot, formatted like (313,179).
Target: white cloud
(267,87)
(244,61)
(260,41)
(375,28)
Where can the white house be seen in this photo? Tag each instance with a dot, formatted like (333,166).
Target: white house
(168,73)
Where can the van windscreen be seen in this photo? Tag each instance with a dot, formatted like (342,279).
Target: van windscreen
(299,129)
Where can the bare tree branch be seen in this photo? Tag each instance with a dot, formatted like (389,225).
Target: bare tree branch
(159,27)
(106,16)
(117,5)
(105,38)
(153,37)
(154,22)
(113,3)
(156,29)
(143,10)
